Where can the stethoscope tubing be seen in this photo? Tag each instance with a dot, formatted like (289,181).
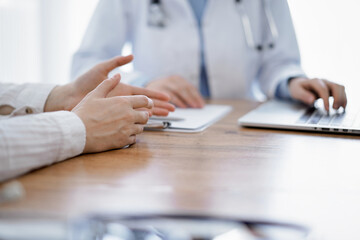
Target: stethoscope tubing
(157,19)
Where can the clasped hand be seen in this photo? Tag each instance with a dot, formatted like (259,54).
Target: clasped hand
(112,112)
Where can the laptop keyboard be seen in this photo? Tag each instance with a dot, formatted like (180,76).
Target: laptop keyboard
(314,116)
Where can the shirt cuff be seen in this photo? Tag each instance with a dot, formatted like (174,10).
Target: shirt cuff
(73,135)
(34,96)
(282,90)
(284,75)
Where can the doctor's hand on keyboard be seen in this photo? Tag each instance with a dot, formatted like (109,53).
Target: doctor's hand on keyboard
(309,90)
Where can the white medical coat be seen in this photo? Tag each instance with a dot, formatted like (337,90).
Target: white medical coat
(234,69)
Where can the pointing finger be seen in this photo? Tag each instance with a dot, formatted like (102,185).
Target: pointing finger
(338,92)
(106,86)
(322,90)
(115,62)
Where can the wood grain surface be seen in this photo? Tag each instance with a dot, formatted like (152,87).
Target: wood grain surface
(228,170)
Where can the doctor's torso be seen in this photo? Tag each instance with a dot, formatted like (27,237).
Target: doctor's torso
(175,48)
(234,68)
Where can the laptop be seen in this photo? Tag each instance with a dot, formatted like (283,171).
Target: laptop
(296,116)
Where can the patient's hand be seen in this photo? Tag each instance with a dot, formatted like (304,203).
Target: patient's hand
(308,90)
(162,107)
(66,97)
(182,93)
(111,122)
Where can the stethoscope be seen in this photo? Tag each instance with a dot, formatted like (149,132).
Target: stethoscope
(157,18)
(186,226)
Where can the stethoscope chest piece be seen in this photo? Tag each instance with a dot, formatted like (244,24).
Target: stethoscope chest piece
(249,33)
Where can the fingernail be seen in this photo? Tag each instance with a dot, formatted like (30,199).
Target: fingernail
(150,102)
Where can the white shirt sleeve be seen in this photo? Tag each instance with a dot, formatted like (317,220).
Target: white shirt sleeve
(283,62)
(30,139)
(30,95)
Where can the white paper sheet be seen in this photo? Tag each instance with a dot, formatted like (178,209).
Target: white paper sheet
(194,119)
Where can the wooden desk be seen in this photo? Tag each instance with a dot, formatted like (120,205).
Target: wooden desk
(225,170)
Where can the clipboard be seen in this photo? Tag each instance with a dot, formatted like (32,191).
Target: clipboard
(189,120)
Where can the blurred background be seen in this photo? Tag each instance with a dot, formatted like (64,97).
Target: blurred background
(39,37)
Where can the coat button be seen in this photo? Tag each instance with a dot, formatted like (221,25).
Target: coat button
(28,110)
